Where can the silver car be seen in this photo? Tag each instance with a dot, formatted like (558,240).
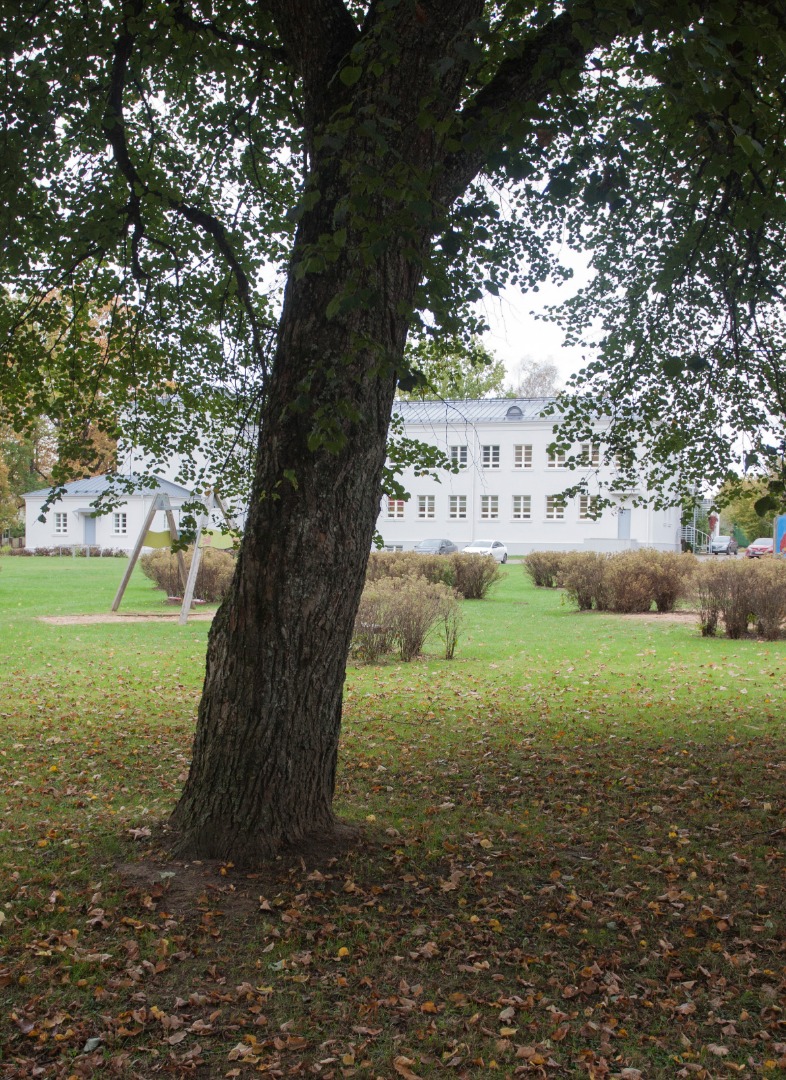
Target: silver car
(495,548)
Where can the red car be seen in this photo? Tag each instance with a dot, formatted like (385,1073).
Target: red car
(762,546)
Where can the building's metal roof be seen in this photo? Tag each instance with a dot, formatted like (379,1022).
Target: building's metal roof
(475,411)
(93,486)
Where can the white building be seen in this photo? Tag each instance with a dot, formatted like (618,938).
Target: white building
(508,485)
(74,522)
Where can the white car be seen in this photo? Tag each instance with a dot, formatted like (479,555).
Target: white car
(495,548)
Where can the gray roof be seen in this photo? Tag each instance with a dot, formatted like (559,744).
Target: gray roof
(475,411)
(93,486)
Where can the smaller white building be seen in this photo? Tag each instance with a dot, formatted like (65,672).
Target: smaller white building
(508,486)
(73,521)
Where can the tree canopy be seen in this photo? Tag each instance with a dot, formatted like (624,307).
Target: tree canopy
(157,165)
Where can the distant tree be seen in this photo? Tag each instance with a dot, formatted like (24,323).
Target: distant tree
(745,504)
(535,378)
(451,369)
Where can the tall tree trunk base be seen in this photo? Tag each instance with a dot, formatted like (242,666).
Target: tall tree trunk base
(314,848)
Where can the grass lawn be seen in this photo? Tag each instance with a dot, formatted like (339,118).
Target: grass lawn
(573,862)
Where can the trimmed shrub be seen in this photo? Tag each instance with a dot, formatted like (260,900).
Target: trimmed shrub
(216,569)
(671,576)
(582,577)
(707,598)
(473,575)
(400,613)
(768,581)
(372,636)
(726,592)
(402,564)
(544,566)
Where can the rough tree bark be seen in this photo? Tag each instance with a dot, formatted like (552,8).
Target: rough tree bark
(264,761)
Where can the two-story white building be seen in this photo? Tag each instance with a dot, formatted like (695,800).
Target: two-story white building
(508,485)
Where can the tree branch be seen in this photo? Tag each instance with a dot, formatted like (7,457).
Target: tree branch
(115,131)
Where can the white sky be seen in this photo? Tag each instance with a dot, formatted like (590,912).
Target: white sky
(516,334)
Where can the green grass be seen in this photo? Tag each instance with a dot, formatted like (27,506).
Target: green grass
(573,861)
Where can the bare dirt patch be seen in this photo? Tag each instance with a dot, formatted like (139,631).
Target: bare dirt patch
(116,617)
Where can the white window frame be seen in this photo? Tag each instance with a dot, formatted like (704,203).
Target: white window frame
(586,505)
(590,454)
(555,508)
(61,523)
(458,456)
(120,523)
(522,456)
(522,507)
(395,508)
(457,507)
(489,507)
(557,460)
(427,507)
(489,455)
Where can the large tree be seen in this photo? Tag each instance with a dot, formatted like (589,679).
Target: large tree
(386,163)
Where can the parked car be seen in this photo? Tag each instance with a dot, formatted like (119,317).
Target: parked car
(436,547)
(762,546)
(724,545)
(495,548)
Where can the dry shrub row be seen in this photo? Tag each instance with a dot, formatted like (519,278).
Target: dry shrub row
(470,575)
(741,593)
(544,566)
(625,582)
(216,569)
(398,614)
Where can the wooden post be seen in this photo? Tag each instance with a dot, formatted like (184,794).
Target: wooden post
(181,562)
(188,595)
(161,501)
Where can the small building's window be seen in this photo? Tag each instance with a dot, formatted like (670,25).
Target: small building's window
(61,524)
(522,456)
(490,457)
(557,459)
(489,506)
(458,506)
(425,506)
(588,507)
(120,523)
(590,454)
(522,507)
(395,508)
(555,508)
(514,413)
(458,456)
(393,547)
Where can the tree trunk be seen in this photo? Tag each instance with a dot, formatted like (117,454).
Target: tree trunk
(264,763)
(265,751)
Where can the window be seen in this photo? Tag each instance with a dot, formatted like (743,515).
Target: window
(119,524)
(489,506)
(590,454)
(522,507)
(393,547)
(489,457)
(458,506)
(588,507)
(458,456)
(395,508)
(557,459)
(61,524)
(425,506)
(522,456)
(555,508)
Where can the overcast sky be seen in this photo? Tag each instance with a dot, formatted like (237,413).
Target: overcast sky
(516,334)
